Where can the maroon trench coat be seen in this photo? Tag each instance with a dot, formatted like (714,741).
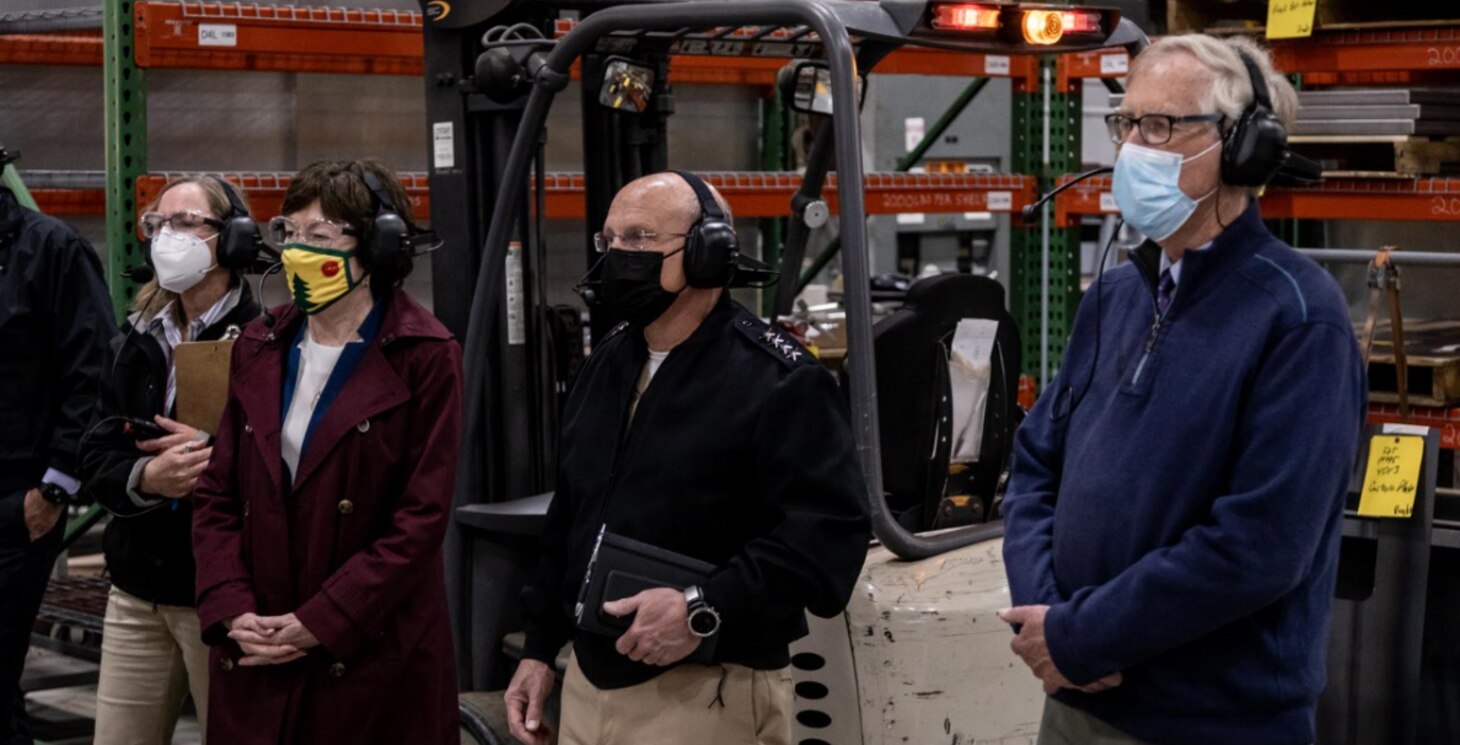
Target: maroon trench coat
(353,548)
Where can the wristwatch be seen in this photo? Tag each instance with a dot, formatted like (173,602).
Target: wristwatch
(54,494)
(704,621)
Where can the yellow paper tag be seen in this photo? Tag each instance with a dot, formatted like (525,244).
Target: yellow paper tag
(1392,479)
(1290,19)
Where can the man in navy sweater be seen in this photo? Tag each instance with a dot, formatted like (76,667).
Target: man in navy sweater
(1173,520)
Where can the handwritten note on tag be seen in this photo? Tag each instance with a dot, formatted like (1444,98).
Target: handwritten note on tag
(1290,19)
(1392,479)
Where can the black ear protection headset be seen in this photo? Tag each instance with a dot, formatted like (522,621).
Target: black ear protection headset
(386,243)
(239,240)
(711,250)
(392,240)
(1256,147)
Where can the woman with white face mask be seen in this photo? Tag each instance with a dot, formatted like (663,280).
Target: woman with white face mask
(152,651)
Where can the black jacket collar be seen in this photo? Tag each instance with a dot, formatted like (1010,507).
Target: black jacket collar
(715,325)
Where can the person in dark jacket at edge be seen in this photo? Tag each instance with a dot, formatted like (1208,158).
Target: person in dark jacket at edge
(698,429)
(55,319)
(1173,517)
(152,651)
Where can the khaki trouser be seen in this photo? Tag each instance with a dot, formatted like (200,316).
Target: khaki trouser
(1066,725)
(680,707)
(151,656)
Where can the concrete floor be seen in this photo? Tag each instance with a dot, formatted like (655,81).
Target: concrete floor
(78,703)
(73,708)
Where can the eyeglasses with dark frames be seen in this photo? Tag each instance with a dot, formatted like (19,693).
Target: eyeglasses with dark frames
(1156,129)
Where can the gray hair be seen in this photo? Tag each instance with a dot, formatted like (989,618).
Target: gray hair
(1231,90)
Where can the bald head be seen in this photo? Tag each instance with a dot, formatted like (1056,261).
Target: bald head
(667,199)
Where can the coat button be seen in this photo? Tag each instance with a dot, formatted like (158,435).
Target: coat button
(227,664)
(363,427)
(346,507)
(337,670)
(248,428)
(245,508)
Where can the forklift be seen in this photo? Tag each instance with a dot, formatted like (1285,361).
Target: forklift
(919,655)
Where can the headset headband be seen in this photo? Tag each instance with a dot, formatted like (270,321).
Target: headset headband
(383,202)
(235,200)
(709,207)
(1259,83)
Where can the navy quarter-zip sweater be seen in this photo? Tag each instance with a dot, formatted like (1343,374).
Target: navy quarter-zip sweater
(1183,521)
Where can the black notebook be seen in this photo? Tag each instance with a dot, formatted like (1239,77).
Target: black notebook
(623,567)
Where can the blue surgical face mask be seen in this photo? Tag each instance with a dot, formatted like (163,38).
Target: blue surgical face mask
(1148,189)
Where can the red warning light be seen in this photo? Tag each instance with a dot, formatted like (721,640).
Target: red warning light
(1081,21)
(965,17)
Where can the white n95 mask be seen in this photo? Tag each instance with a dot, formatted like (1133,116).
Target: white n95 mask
(181,260)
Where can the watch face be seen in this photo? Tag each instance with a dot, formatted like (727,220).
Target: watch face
(703,622)
(53,493)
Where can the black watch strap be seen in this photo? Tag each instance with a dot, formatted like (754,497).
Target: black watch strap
(55,494)
(704,620)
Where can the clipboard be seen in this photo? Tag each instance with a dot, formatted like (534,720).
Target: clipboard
(202,382)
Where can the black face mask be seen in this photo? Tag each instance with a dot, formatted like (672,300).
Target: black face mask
(631,287)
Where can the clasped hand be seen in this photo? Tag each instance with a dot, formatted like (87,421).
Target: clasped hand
(1032,647)
(270,640)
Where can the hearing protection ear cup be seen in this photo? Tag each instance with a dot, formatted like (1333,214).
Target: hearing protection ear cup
(1257,145)
(240,239)
(710,247)
(387,251)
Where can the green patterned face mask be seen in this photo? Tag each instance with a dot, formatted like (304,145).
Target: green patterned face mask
(318,277)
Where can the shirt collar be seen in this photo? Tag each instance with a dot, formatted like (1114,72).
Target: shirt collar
(165,321)
(1175,267)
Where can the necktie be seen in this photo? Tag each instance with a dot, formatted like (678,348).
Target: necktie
(1164,290)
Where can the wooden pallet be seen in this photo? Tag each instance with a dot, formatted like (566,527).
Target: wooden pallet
(1184,16)
(1433,352)
(1376,157)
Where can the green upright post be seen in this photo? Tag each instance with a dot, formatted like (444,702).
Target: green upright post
(11,178)
(1044,332)
(126,146)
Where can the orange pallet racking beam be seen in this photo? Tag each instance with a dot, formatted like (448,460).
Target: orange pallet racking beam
(751,194)
(237,36)
(1427,199)
(82,50)
(70,202)
(1424,199)
(1356,56)
(265,191)
(768,194)
(1103,63)
(1445,420)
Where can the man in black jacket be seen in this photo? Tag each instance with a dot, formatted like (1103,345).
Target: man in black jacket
(55,319)
(698,429)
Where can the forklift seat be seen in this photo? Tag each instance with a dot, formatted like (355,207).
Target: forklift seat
(916,401)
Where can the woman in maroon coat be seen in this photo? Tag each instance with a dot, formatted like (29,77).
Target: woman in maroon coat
(319,521)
